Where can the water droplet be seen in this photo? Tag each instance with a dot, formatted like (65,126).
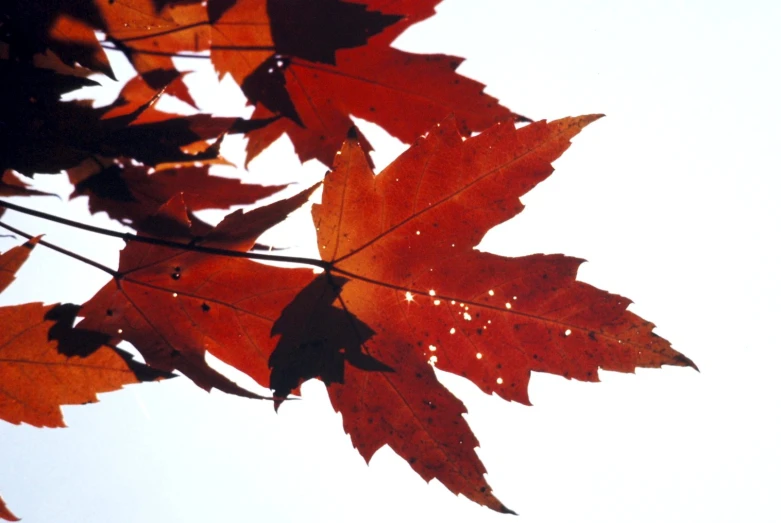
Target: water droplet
(479,355)
(175,295)
(452,330)
(467,316)
(417,232)
(437,302)
(508,305)
(567,332)
(119,331)
(499,381)
(432,348)
(432,293)
(408,296)
(491,292)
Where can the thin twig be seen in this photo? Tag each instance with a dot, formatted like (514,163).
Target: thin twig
(66,252)
(129,237)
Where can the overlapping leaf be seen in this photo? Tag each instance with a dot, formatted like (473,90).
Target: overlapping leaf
(131,194)
(39,368)
(174,305)
(312,63)
(62,26)
(405,240)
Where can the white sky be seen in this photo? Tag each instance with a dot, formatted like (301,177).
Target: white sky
(673,200)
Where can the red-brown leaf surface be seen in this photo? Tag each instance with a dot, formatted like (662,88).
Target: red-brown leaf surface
(12,260)
(405,240)
(313,63)
(39,370)
(174,305)
(5,513)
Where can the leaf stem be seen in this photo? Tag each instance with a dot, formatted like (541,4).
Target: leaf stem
(66,252)
(129,237)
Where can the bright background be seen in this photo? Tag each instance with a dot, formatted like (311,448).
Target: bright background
(673,200)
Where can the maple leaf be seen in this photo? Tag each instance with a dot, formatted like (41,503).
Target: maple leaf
(344,66)
(12,260)
(130,194)
(5,513)
(36,377)
(405,241)
(402,92)
(173,305)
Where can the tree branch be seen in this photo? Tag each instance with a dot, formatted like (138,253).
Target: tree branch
(192,247)
(66,252)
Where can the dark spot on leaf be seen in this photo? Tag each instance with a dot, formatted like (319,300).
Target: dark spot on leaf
(205,307)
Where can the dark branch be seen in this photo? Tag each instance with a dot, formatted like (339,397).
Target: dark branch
(129,237)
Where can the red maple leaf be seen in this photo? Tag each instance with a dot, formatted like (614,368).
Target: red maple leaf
(132,194)
(174,305)
(314,64)
(44,363)
(404,240)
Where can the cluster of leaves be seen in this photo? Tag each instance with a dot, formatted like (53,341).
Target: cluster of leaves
(399,288)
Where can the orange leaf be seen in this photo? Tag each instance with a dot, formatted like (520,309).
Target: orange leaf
(405,240)
(5,513)
(39,370)
(12,260)
(175,305)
